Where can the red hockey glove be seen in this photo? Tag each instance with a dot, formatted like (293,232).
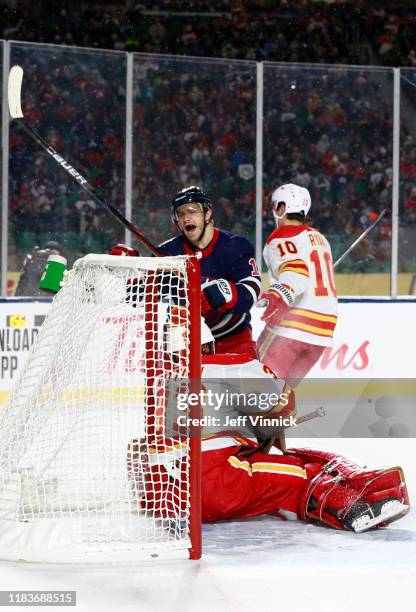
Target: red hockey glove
(124,250)
(279,300)
(133,288)
(217,295)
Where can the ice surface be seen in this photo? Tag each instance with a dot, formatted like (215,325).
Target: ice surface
(260,564)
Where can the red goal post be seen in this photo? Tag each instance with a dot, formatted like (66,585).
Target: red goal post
(85,397)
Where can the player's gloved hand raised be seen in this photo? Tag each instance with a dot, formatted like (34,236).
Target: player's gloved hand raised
(217,295)
(124,250)
(277,299)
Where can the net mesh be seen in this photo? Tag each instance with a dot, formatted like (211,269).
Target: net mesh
(83,441)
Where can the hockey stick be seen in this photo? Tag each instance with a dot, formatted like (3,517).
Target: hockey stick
(280,439)
(319,412)
(15,109)
(360,237)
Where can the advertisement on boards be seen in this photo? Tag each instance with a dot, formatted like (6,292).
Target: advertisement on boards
(373,339)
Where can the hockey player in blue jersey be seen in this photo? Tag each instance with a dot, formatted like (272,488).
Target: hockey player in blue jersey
(230,279)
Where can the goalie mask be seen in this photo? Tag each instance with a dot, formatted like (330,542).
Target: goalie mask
(296,200)
(207,339)
(176,337)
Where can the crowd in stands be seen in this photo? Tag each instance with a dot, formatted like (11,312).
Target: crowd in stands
(329,129)
(77,102)
(275,30)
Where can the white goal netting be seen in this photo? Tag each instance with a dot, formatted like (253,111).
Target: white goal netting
(88,470)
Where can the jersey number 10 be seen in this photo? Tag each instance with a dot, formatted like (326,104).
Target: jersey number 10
(323,273)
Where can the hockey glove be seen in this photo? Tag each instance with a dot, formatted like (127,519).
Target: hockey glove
(217,295)
(279,299)
(134,290)
(123,250)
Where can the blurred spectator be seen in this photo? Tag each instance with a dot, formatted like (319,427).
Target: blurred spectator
(255,30)
(410,204)
(85,202)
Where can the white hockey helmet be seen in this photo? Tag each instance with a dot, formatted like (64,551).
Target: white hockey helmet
(296,199)
(206,333)
(175,336)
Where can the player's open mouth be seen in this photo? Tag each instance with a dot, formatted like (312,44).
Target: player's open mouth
(190,227)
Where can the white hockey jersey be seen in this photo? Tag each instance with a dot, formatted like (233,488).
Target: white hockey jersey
(236,378)
(299,257)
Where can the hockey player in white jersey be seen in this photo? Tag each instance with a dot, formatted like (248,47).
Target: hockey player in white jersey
(301,311)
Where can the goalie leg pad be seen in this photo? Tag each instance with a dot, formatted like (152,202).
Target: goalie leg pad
(340,490)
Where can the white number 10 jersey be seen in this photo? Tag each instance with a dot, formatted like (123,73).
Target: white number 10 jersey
(300,258)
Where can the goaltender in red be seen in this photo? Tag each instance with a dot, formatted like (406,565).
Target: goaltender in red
(246,470)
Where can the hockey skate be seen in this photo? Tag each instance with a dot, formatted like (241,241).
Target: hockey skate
(364,516)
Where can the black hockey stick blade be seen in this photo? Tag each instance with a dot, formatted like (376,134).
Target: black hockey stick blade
(15,108)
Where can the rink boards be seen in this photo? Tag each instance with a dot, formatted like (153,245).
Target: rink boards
(374,339)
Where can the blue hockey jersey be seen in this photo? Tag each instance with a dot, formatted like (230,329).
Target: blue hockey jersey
(231,257)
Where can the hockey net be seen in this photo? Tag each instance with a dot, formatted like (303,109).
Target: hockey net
(82,436)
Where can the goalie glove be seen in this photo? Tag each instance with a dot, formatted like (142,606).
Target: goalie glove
(278,299)
(217,295)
